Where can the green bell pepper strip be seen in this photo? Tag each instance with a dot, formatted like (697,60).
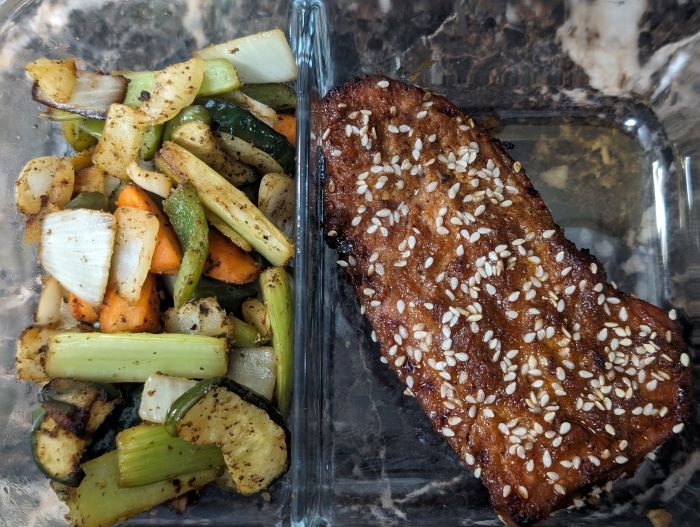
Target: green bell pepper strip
(236,121)
(186,215)
(190,114)
(187,400)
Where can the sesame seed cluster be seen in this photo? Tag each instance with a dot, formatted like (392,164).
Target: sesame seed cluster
(543,377)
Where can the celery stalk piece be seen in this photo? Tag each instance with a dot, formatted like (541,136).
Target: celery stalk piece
(226,201)
(100,502)
(148,453)
(132,357)
(244,335)
(277,296)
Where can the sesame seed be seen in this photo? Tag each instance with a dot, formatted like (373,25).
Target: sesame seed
(609,429)
(506,490)
(672,314)
(448,432)
(678,428)
(621,460)
(559,489)
(548,234)
(547,459)
(400,306)
(336,153)
(523,492)
(685,360)
(383,84)
(469,458)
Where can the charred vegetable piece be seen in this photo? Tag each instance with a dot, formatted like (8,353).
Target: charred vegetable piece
(230,296)
(275,95)
(99,501)
(203,316)
(251,433)
(147,453)
(82,406)
(219,77)
(277,296)
(70,412)
(187,217)
(56,451)
(226,201)
(194,113)
(234,120)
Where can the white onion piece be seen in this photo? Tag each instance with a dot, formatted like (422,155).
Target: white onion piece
(262,111)
(254,368)
(149,180)
(135,241)
(159,392)
(276,198)
(258,58)
(198,317)
(34,182)
(48,310)
(76,249)
(92,94)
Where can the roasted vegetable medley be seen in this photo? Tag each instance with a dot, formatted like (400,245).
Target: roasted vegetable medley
(163,335)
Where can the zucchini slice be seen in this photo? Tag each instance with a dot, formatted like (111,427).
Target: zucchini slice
(251,433)
(70,412)
(87,403)
(56,451)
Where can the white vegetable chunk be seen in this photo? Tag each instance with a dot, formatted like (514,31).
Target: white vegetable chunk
(159,392)
(197,317)
(76,249)
(135,241)
(254,368)
(258,58)
(276,198)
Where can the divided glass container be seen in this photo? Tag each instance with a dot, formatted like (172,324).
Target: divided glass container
(610,140)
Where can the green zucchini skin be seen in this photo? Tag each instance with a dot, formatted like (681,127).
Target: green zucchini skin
(234,120)
(279,97)
(68,442)
(71,403)
(258,400)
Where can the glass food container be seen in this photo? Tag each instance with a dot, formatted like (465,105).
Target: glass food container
(598,101)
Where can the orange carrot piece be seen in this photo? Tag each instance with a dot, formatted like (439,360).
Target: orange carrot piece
(82,311)
(168,254)
(117,315)
(228,262)
(287,126)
